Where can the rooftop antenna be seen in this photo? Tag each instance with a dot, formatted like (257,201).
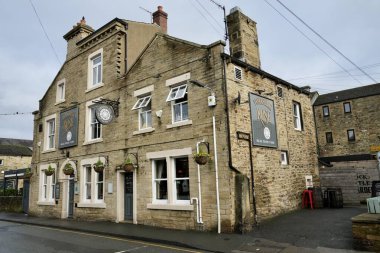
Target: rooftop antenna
(150,13)
(225,19)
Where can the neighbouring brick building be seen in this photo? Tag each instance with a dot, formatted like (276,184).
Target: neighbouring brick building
(170,99)
(348,134)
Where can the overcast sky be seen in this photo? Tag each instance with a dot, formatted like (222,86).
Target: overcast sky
(28,64)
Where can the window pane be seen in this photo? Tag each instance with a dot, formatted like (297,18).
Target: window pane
(347,107)
(96,60)
(161,179)
(100,177)
(149,119)
(161,169)
(99,74)
(94,75)
(181,91)
(326,111)
(182,187)
(185,111)
(143,123)
(177,112)
(162,189)
(182,167)
(88,182)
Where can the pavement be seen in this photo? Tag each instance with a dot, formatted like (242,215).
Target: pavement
(306,231)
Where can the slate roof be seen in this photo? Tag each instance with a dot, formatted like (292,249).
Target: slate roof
(18,142)
(15,150)
(359,92)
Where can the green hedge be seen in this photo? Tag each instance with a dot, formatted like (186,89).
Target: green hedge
(11,203)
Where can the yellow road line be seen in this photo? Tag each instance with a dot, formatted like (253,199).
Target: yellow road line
(117,239)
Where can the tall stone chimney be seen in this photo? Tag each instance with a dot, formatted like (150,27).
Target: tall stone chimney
(161,18)
(242,34)
(78,32)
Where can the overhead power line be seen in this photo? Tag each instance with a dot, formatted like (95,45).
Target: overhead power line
(15,113)
(315,44)
(208,21)
(328,43)
(46,35)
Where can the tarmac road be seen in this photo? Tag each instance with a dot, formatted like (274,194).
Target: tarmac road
(18,238)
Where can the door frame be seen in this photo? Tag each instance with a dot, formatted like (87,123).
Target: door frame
(66,187)
(120,196)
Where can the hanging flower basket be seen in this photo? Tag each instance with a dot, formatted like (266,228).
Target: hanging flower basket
(49,171)
(28,173)
(68,169)
(201,158)
(98,166)
(128,167)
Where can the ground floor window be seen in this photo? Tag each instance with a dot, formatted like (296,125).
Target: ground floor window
(46,185)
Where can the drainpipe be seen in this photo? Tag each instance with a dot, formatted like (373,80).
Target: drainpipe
(199,200)
(216,173)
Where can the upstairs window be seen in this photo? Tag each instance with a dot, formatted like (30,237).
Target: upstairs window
(178,97)
(351,135)
(1,162)
(49,134)
(95,126)
(238,73)
(329,137)
(280,92)
(145,112)
(347,107)
(60,91)
(297,116)
(97,69)
(326,111)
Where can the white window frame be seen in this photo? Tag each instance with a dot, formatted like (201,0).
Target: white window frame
(145,112)
(48,134)
(284,158)
(142,102)
(46,195)
(297,117)
(1,162)
(171,203)
(61,91)
(176,91)
(174,95)
(238,73)
(326,113)
(93,202)
(90,71)
(89,124)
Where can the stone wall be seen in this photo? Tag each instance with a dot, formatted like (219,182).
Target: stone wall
(364,119)
(354,178)
(278,187)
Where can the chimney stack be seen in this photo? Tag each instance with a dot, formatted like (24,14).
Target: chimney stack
(78,32)
(242,33)
(161,18)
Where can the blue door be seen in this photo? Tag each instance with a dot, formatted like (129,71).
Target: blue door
(25,196)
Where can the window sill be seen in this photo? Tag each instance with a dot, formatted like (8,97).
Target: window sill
(92,205)
(143,131)
(46,203)
(48,151)
(170,207)
(94,87)
(60,102)
(92,141)
(179,124)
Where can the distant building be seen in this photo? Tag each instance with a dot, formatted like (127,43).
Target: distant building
(14,154)
(348,134)
(128,91)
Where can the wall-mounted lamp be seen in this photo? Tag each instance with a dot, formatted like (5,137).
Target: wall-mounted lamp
(159,113)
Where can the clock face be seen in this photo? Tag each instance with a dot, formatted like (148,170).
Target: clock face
(104,114)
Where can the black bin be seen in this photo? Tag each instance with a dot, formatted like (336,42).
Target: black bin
(375,188)
(333,198)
